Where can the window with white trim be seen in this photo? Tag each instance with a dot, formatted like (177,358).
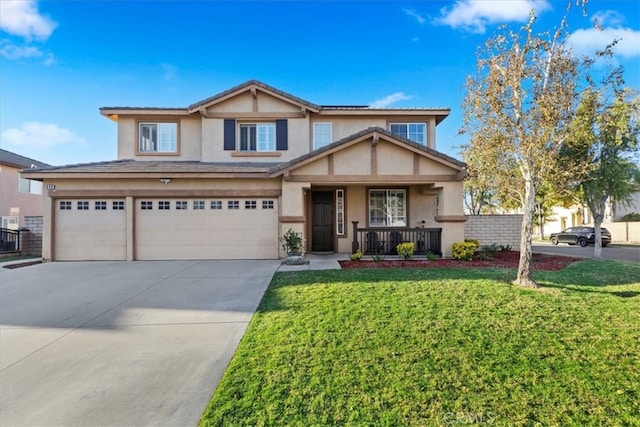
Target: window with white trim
(117,205)
(340,212)
(250,204)
(267,204)
(233,204)
(146,205)
(82,205)
(321,135)
(416,132)
(198,205)
(164,205)
(100,205)
(29,186)
(65,205)
(181,205)
(216,204)
(257,137)
(388,208)
(158,137)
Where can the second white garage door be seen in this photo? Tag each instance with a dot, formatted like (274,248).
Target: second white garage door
(206,229)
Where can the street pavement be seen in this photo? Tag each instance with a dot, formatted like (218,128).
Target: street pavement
(612,251)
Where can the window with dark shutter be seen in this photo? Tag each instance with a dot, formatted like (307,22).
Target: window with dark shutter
(282,135)
(229,134)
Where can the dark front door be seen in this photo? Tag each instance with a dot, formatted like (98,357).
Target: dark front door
(322,221)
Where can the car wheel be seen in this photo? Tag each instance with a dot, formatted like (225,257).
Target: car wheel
(582,242)
(554,240)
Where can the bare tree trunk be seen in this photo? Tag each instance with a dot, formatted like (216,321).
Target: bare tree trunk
(525,276)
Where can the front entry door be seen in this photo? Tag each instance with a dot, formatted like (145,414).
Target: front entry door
(322,221)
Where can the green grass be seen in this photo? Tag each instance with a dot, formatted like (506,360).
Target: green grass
(439,347)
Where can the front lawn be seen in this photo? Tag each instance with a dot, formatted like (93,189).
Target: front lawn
(439,347)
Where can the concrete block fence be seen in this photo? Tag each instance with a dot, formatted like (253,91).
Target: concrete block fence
(500,229)
(31,236)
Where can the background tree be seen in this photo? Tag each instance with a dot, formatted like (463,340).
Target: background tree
(604,142)
(516,110)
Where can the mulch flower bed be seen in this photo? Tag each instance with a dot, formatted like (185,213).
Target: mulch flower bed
(502,260)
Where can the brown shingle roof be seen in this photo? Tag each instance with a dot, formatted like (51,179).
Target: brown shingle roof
(165,167)
(18,161)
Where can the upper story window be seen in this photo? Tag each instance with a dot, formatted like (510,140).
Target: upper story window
(266,137)
(416,132)
(321,135)
(257,137)
(158,137)
(29,186)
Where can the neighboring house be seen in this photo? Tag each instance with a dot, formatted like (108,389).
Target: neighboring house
(226,177)
(628,208)
(19,197)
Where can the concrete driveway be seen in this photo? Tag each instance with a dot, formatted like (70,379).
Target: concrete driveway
(119,344)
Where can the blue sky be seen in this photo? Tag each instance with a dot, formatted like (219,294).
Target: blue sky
(62,60)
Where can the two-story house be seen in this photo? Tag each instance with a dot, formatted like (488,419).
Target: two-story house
(226,177)
(19,197)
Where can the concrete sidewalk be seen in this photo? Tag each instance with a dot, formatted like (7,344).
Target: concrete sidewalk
(316,262)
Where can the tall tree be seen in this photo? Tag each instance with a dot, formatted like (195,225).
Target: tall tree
(517,107)
(604,142)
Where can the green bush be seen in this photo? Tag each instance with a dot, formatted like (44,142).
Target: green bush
(431,256)
(405,250)
(631,217)
(463,250)
(377,258)
(489,251)
(476,241)
(356,256)
(505,248)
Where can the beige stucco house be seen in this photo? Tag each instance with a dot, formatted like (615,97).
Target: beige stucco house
(19,197)
(226,177)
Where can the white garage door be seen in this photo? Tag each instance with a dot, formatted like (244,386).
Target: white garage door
(206,229)
(91,230)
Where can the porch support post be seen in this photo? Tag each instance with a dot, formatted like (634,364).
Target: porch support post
(354,244)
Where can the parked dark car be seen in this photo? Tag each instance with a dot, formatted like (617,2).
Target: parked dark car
(582,236)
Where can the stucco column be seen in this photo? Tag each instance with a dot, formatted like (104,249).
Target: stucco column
(47,225)
(292,209)
(130,210)
(431,133)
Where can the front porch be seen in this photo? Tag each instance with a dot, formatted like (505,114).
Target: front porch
(383,241)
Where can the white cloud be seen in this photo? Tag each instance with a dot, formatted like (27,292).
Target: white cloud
(22,18)
(415,15)
(12,51)
(40,135)
(390,99)
(475,15)
(588,41)
(607,17)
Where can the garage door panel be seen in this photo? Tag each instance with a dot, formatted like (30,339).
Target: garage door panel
(84,232)
(205,233)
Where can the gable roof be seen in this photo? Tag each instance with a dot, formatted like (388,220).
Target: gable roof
(374,132)
(251,85)
(16,160)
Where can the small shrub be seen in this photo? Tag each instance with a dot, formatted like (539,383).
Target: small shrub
(405,250)
(377,258)
(431,256)
(463,250)
(476,241)
(356,256)
(291,242)
(505,248)
(489,251)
